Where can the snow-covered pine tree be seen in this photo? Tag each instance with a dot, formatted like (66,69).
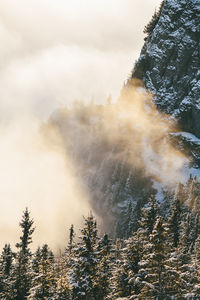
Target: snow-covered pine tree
(22,271)
(184,255)
(149,214)
(118,280)
(62,289)
(195,230)
(71,239)
(171,271)
(43,282)
(124,281)
(176,217)
(36,261)
(84,270)
(196,270)
(185,239)
(6,265)
(63,266)
(153,264)
(68,257)
(6,259)
(129,220)
(102,283)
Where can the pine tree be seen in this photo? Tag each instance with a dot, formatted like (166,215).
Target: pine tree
(103,268)
(129,220)
(22,272)
(62,290)
(71,239)
(149,215)
(124,281)
(83,275)
(195,231)
(118,278)
(185,232)
(196,270)
(184,255)
(43,283)
(36,261)
(172,273)
(147,221)
(7,259)
(153,264)
(175,218)
(6,266)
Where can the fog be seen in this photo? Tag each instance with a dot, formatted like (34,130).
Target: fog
(52,53)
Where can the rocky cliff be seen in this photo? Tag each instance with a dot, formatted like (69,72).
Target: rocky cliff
(169,64)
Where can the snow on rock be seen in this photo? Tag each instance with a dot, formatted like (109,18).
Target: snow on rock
(187,136)
(169,63)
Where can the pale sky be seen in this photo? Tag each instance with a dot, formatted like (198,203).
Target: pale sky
(53,52)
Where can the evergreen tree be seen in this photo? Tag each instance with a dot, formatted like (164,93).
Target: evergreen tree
(71,238)
(195,231)
(158,261)
(149,215)
(184,255)
(176,218)
(147,221)
(7,259)
(129,224)
(84,271)
(124,280)
(185,233)
(43,283)
(196,269)
(103,268)
(62,289)
(36,261)
(117,288)
(6,266)
(22,272)
(153,264)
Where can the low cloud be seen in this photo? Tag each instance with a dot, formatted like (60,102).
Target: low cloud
(53,52)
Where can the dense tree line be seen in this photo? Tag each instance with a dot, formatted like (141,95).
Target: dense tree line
(158,260)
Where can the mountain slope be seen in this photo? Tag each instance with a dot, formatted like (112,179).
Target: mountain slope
(126,152)
(169,64)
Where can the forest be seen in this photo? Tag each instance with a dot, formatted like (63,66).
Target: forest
(138,166)
(158,260)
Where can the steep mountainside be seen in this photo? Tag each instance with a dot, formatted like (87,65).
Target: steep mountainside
(169,64)
(127,151)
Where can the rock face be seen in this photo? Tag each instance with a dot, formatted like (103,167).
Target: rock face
(169,64)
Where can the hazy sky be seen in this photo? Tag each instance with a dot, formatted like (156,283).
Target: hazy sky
(53,52)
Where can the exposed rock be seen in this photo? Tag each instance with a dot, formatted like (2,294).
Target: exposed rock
(169,64)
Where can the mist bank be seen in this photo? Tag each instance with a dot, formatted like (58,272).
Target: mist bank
(36,173)
(122,152)
(87,157)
